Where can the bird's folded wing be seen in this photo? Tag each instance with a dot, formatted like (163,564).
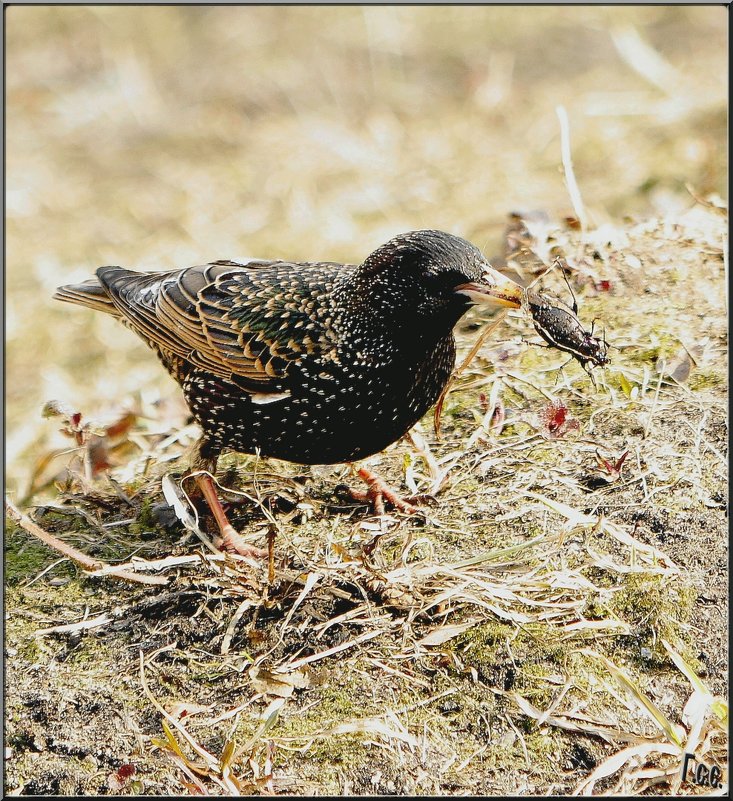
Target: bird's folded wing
(235,321)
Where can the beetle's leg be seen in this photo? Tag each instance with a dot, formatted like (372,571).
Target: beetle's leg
(590,374)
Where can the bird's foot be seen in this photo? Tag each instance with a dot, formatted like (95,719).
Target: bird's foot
(233,542)
(230,539)
(378,491)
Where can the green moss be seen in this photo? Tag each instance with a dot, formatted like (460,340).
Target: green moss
(25,556)
(91,651)
(535,358)
(339,700)
(59,522)
(534,751)
(544,745)
(29,650)
(21,635)
(145,520)
(546,453)
(707,379)
(344,698)
(467,486)
(530,641)
(532,682)
(657,607)
(481,644)
(520,659)
(332,752)
(659,345)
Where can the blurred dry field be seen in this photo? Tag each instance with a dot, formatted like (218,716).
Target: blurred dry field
(558,620)
(164,137)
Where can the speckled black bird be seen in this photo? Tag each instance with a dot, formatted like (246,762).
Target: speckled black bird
(314,363)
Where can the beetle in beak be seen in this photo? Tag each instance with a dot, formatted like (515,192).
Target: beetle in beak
(492,288)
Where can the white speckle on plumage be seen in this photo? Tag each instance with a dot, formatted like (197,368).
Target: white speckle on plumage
(269,397)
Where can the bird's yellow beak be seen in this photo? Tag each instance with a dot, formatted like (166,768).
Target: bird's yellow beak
(493,289)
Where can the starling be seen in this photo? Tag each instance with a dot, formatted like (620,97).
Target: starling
(314,363)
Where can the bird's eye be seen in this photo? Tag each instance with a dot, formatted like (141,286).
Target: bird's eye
(447,279)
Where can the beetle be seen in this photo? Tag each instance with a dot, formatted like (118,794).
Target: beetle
(560,327)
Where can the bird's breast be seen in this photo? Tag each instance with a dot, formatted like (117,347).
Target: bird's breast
(337,410)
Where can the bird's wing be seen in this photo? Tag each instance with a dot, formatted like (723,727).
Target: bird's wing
(246,323)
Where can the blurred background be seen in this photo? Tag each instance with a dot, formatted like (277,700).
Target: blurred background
(161,137)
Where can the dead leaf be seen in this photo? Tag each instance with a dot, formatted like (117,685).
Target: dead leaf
(678,367)
(183,709)
(276,683)
(442,634)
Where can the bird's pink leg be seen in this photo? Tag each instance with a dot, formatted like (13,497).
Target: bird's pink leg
(231,539)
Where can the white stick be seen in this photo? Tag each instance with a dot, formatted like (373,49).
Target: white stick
(567,165)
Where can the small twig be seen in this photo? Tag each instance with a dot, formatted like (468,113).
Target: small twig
(82,625)
(209,759)
(464,364)
(368,635)
(175,501)
(509,374)
(484,427)
(650,416)
(522,741)
(46,570)
(87,562)
(646,61)
(423,449)
(160,564)
(236,617)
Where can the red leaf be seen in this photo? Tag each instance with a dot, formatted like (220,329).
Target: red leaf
(613,466)
(555,415)
(556,420)
(125,772)
(122,426)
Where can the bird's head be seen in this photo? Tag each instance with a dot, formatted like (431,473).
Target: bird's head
(437,274)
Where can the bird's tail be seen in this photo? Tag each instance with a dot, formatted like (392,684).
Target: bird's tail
(90,293)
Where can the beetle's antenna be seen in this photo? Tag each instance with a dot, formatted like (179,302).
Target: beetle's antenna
(575,302)
(606,343)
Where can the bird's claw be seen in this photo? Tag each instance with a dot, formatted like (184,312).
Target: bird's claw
(378,491)
(233,542)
